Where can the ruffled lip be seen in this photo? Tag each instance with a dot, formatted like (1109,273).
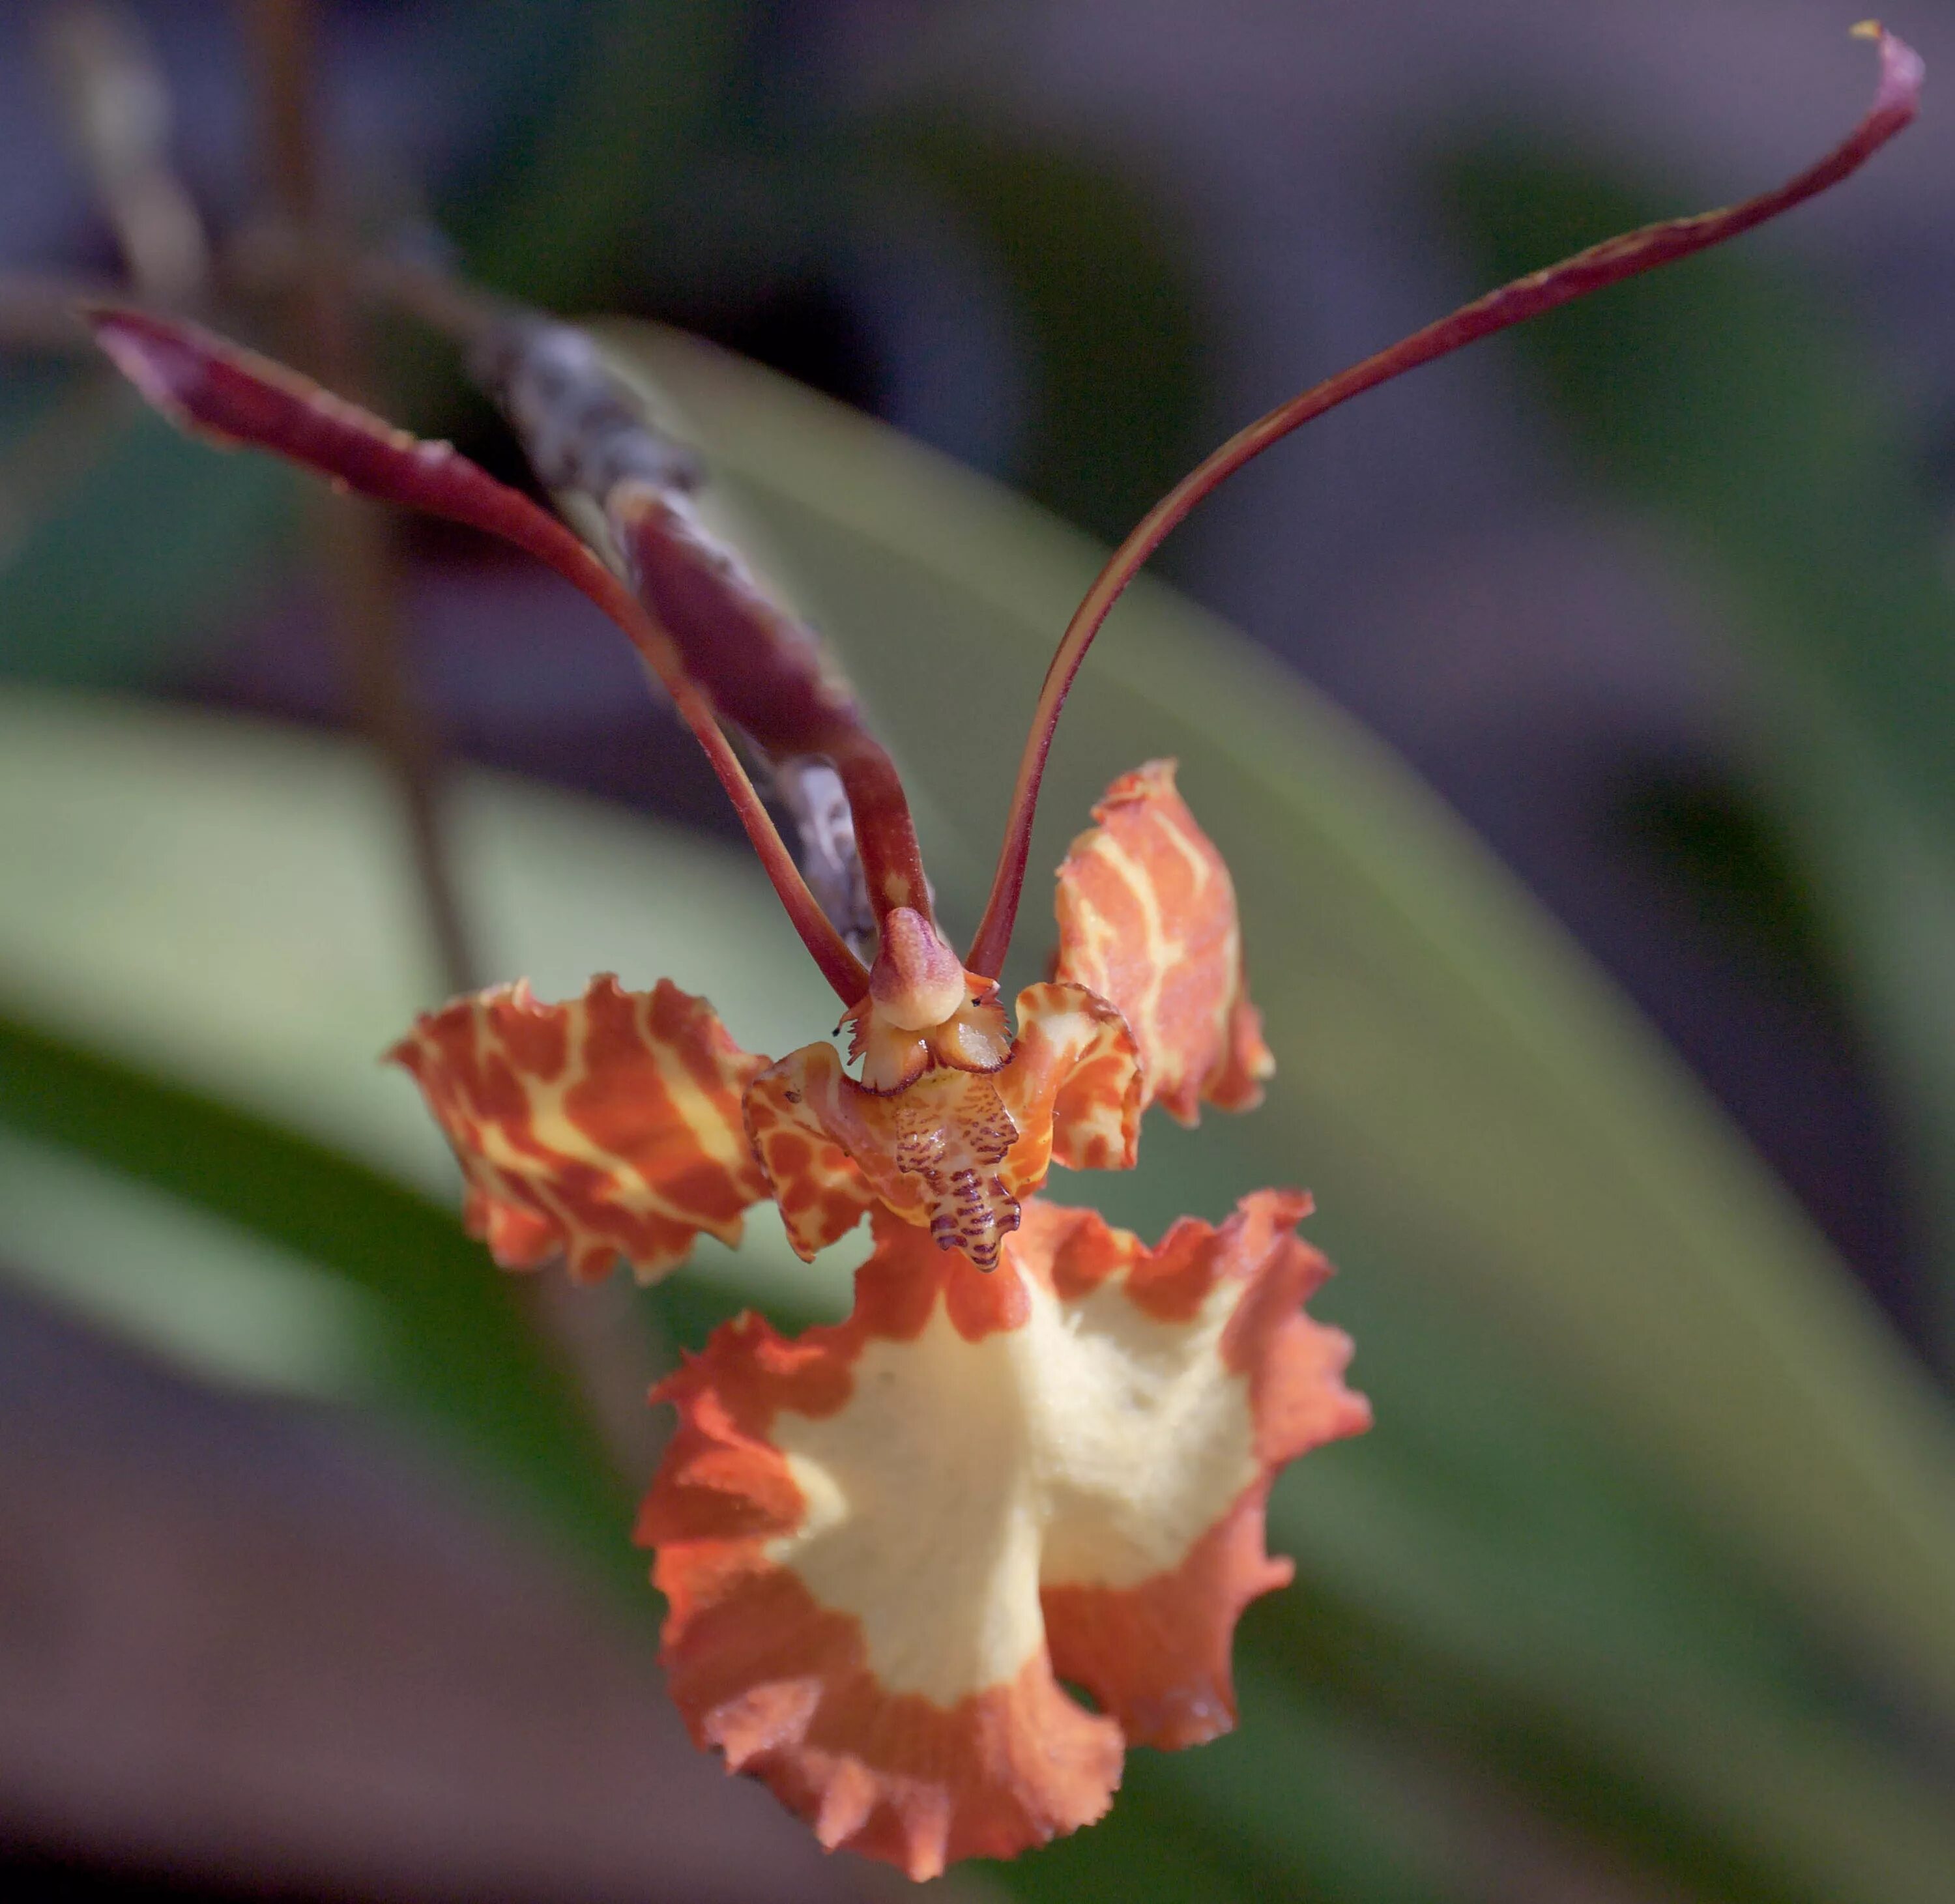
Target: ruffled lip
(886,1542)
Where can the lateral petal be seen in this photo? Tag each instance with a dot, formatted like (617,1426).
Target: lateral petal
(1073,1085)
(1147,920)
(607,1126)
(822,1190)
(885,1542)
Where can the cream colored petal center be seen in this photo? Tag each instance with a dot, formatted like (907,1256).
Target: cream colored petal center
(1092,1446)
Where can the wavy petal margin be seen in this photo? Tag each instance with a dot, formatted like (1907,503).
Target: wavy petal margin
(885,1542)
(953,1151)
(1147,920)
(607,1126)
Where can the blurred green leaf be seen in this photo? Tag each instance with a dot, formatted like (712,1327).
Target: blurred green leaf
(460,1352)
(642,91)
(1725,396)
(106,587)
(219,1300)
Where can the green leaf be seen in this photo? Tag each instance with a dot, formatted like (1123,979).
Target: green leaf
(219,1300)
(1728,397)
(101,586)
(459,1349)
(1094,266)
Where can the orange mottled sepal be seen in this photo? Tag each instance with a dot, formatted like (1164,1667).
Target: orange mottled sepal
(607,1126)
(952,1151)
(1147,920)
(821,1188)
(886,1542)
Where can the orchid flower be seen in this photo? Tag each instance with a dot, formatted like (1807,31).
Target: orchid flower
(1038,1450)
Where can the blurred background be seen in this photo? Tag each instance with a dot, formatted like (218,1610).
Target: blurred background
(1583,755)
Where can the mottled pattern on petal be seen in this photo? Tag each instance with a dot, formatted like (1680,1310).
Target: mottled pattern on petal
(1147,920)
(821,1188)
(886,1542)
(1073,1086)
(953,1151)
(607,1126)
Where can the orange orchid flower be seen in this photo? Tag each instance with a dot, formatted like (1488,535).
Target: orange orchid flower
(1038,1450)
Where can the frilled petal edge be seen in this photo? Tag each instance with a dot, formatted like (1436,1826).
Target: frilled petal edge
(607,1126)
(885,1542)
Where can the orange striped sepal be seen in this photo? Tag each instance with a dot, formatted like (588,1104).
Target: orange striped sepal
(607,1126)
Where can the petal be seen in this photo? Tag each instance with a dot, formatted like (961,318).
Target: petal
(1148,1631)
(885,1542)
(607,1126)
(821,1191)
(1147,919)
(1073,1086)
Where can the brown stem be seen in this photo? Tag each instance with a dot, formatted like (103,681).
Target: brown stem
(358,558)
(1608,263)
(612,1367)
(117,105)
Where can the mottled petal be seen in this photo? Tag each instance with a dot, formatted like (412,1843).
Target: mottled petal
(886,1542)
(821,1188)
(1073,1086)
(1146,918)
(607,1126)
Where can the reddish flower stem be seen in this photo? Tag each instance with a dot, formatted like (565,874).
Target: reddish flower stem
(1608,263)
(218,390)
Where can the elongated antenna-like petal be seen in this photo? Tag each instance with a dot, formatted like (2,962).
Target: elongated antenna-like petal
(1601,265)
(219,391)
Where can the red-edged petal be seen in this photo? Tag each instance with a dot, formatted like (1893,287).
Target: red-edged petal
(604,1127)
(1146,918)
(885,1542)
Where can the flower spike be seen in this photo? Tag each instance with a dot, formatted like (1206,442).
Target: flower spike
(215,389)
(1895,103)
(885,1543)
